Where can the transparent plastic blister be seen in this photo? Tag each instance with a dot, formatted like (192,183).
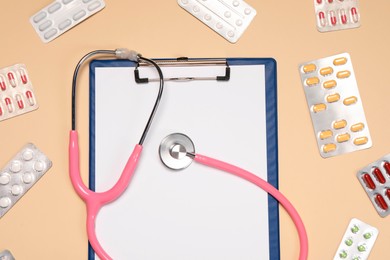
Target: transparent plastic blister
(335,105)
(61,15)
(16,92)
(6,255)
(333,15)
(375,179)
(357,242)
(228,18)
(20,174)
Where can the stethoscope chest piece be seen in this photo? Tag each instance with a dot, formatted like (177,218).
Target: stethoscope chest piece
(177,151)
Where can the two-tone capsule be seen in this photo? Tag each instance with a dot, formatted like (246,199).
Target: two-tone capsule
(2,83)
(19,101)
(11,79)
(321,16)
(355,15)
(30,97)
(343,16)
(23,76)
(8,103)
(333,18)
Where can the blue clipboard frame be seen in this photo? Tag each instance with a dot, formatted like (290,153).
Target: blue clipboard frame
(272,136)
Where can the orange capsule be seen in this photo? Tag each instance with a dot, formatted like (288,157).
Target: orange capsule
(357,127)
(312,81)
(368,181)
(381,202)
(350,100)
(333,98)
(360,140)
(326,71)
(329,84)
(339,61)
(343,74)
(309,68)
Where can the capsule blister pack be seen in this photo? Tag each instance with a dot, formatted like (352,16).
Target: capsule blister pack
(62,15)
(357,242)
(6,255)
(335,106)
(375,179)
(333,15)
(16,92)
(228,18)
(20,174)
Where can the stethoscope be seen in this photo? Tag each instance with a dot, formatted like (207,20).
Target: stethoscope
(176,151)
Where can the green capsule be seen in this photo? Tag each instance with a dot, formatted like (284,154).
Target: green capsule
(349,242)
(367,235)
(361,248)
(355,229)
(343,254)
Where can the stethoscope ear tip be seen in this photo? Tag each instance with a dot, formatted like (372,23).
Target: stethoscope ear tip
(177,151)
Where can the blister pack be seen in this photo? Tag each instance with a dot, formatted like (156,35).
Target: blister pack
(333,15)
(62,15)
(335,106)
(20,174)
(357,242)
(375,179)
(16,92)
(6,255)
(228,18)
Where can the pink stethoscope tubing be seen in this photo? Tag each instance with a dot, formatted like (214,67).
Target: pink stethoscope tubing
(94,201)
(304,244)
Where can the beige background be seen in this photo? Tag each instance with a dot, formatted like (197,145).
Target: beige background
(48,223)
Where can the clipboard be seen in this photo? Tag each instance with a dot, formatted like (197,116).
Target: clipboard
(198,212)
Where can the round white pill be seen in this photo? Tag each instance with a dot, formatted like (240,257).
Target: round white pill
(230,33)
(5,202)
(28,177)
(5,179)
(28,155)
(39,166)
(184,2)
(239,22)
(236,3)
(219,26)
(16,166)
(196,9)
(247,11)
(16,190)
(227,14)
(207,17)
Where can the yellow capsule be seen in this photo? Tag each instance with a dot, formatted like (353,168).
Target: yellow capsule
(350,100)
(326,71)
(312,81)
(326,134)
(330,84)
(357,127)
(319,107)
(339,124)
(360,140)
(343,74)
(333,98)
(339,61)
(309,68)
(329,148)
(343,137)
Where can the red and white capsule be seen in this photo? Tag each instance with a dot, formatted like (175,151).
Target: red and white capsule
(19,100)
(1,111)
(333,18)
(343,16)
(355,15)
(30,98)
(11,79)
(322,19)
(2,83)
(8,103)
(23,76)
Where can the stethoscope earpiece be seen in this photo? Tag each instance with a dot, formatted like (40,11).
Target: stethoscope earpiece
(177,151)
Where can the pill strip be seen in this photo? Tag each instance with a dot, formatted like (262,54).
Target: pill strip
(20,174)
(333,15)
(6,255)
(16,92)
(335,105)
(357,242)
(61,15)
(375,180)
(228,18)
